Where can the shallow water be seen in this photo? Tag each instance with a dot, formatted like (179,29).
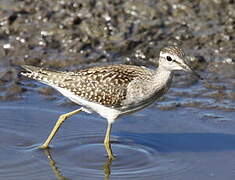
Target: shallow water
(187,134)
(150,144)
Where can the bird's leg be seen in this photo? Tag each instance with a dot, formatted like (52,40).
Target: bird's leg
(59,122)
(107,142)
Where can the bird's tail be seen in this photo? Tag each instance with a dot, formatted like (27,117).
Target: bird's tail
(40,74)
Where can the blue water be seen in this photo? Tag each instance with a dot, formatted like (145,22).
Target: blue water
(151,144)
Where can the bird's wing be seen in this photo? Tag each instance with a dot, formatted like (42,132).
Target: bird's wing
(106,85)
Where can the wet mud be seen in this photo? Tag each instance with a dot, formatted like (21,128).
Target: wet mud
(189,130)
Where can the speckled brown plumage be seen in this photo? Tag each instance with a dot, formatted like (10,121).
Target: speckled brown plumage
(173,50)
(113,90)
(106,85)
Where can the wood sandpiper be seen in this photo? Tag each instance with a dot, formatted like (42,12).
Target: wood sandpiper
(112,90)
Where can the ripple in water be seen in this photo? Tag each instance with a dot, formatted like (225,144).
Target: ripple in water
(83,155)
(18,132)
(78,152)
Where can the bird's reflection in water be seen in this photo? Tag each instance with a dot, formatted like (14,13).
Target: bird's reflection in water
(53,166)
(107,170)
(59,174)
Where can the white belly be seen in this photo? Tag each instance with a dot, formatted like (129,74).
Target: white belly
(109,113)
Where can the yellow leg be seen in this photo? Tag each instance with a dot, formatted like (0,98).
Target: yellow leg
(59,122)
(107,142)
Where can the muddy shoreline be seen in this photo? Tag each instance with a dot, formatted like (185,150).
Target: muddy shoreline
(69,35)
(189,130)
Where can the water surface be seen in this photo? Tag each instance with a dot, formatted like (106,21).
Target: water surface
(148,145)
(187,134)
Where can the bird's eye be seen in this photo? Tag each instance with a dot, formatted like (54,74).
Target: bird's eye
(169,58)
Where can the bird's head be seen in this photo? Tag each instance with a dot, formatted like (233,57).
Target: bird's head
(172,58)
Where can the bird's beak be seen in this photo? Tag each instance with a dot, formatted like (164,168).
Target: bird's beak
(189,69)
(193,72)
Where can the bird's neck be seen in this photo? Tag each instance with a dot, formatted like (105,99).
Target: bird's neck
(162,76)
